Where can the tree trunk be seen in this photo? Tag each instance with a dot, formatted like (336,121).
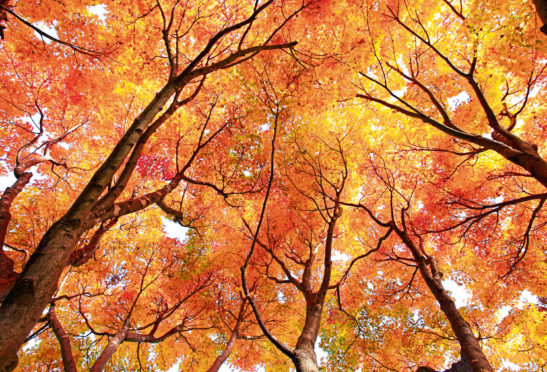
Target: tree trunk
(534,164)
(8,276)
(459,366)
(64,341)
(541,8)
(33,289)
(110,349)
(469,344)
(225,353)
(305,360)
(470,348)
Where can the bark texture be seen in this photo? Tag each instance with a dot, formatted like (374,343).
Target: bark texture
(8,276)
(110,349)
(460,366)
(469,344)
(33,289)
(541,8)
(69,363)
(305,360)
(470,348)
(219,361)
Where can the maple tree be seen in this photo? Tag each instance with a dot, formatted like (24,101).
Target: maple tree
(333,165)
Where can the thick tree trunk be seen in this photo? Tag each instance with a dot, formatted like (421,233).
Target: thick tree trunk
(541,8)
(110,349)
(469,344)
(534,164)
(64,341)
(33,290)
(459,366)
(7,273)
(309,334)
(305,359)
(225,353)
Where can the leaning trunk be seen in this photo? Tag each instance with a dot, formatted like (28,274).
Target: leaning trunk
(470,348)
(110,349)
(69,363)
(469,344)
(33,290)
(225,353)
(7,272)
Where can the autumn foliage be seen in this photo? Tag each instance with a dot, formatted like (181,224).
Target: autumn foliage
(278,184)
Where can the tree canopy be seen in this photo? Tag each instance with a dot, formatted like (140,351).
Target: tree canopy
(280,184)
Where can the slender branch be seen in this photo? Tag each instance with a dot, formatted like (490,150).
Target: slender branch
(76,48)
(284,349)
(375,249)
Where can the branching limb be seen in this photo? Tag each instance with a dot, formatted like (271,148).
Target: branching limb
(76,48)
(284,349)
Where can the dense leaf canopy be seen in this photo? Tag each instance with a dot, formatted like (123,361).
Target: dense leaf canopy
(280,184)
